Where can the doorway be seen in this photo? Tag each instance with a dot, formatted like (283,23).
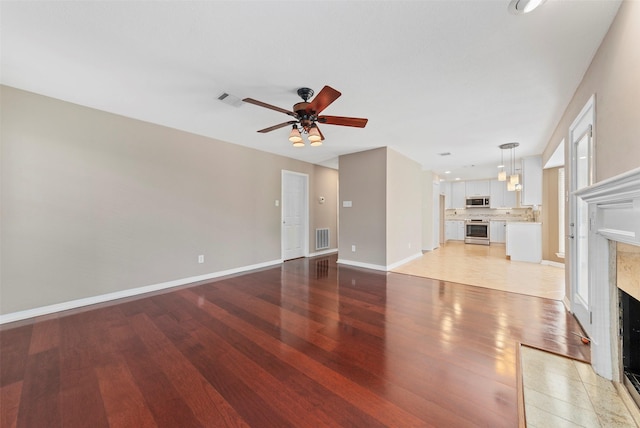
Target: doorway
(295,215)
(581,154)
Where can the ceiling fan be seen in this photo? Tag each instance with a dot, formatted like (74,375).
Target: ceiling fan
(307,116)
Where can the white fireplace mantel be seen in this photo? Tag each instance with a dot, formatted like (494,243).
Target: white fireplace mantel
(614,215)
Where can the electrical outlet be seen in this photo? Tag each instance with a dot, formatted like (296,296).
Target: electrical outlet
(201,259)
(353,248)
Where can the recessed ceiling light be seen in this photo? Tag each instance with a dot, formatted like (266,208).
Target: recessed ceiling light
(447,172)
(520,7)
(457,178)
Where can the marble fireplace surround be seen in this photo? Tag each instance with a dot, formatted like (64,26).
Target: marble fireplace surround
(614,217)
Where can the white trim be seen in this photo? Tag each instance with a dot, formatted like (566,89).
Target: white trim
(567,303)
(73,304)
(583,125)
(403,261)
(324,252)
(380,267)
(552,263)
(305,243)
(362,265)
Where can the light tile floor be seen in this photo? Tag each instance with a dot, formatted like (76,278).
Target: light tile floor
(561,392)
(487,266)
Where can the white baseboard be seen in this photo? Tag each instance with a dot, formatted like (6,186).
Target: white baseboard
(362,265)
(552,263)
(401,262)
(379,267)
(64,306)
(567,304)
(323,252)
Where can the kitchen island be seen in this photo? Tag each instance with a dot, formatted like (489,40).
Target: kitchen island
(524,241)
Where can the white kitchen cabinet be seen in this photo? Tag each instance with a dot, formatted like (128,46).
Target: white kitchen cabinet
(524,241)
(445,189)
(500,196)
(454,230)
(477,188)
(458,195)
(531,193)
(497,231)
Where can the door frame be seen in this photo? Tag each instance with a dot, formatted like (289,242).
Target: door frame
(305,217)
(584,124)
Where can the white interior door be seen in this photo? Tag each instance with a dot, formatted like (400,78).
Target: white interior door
(582,162)
(295,218)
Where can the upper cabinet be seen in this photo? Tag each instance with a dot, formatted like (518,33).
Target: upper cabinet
(478,188)
(458,195)
(531,193)
(500,196)
(445,189)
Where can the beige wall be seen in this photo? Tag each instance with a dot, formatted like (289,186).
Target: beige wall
(385,220)
(404,207)
(550,214)
(613,78)
(430,239)
(363,178)
(95,203)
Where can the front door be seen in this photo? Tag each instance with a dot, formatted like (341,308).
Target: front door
(582,162)
(295,219)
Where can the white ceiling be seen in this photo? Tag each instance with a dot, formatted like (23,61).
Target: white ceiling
(431,76)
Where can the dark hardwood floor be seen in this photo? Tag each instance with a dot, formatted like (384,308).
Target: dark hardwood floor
(307,344)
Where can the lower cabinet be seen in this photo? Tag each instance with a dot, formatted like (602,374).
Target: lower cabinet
(454,230)
(497,231)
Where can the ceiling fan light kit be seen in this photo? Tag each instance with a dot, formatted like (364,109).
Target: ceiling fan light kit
(295,136)
(307,115)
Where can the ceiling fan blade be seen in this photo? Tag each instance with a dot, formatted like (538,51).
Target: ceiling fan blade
(343,121)
(274,127)
(269,106)
(321,101)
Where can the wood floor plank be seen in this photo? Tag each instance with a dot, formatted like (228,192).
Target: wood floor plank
(207,404)
(81,351)
(122,409)
(14,344)
(306,343)
(9,403)
(40,399)
(45,336)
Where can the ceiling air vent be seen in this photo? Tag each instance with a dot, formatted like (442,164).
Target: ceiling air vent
(445,154)
(232,100)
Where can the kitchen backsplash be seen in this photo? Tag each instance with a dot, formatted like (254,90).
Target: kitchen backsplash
(513,214)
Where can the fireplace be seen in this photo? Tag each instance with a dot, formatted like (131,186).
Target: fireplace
(628,281)
(614,276)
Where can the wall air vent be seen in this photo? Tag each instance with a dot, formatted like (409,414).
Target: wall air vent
(232,100)
(322,239)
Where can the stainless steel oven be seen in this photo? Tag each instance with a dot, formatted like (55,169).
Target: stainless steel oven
(476,232)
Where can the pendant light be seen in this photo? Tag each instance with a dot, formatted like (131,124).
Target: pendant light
(502,175)
(514,179)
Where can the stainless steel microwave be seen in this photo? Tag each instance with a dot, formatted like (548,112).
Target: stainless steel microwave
(478,202)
